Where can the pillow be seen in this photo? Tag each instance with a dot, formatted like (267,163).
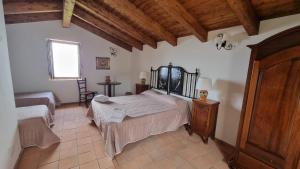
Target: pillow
(101,98)
(161,97)
(169,99)
(151,93)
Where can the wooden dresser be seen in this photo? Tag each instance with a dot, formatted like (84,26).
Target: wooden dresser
(269,135)
(204,118)
(139,88)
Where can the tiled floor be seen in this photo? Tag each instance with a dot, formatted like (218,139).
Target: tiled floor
(82,147)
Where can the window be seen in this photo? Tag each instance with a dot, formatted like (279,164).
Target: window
(65,60)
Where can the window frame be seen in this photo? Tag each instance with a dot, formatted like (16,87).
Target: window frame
(51,57)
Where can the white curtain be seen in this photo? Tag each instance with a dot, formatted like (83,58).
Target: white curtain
(49,59)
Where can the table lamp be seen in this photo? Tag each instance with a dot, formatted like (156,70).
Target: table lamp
(143,77)
(203,84)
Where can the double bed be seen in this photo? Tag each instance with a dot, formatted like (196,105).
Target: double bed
(142,124)
(127,119)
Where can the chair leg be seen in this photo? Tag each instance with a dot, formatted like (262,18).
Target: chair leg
(86,101)
(79,103)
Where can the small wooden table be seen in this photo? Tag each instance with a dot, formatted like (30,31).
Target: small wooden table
(139,88)
(109,87)
(204,118)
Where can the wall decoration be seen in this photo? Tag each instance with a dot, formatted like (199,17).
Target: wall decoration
(102,63)
(113,51)
(222,41)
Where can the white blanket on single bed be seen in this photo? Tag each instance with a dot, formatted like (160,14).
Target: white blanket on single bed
(34,127)
(133,106)
(38,111)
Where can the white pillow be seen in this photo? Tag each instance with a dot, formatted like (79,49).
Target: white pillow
(161,97)
(151,93)
(101,98)
(169,99)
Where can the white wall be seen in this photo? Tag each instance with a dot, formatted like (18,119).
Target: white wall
(228,69)
(9,135)
(28,51)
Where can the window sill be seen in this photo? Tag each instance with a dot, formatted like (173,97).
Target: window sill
(65,79)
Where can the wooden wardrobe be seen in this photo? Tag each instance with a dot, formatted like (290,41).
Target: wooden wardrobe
(269,135)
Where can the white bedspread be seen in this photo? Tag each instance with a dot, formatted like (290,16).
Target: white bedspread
(37,111)
(133,106)
(34,127)
(158,120)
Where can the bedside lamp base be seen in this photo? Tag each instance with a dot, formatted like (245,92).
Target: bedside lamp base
(203,95)
(143,81)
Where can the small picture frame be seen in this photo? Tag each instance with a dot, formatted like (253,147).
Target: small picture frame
(102,63)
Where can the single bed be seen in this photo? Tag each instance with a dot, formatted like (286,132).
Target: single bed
(149,113)
(46,98)
(34,126)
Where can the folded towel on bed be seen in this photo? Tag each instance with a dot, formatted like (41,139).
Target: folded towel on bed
(117,115)
(101,98)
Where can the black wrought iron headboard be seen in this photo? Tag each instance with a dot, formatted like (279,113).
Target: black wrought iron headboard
(174,79)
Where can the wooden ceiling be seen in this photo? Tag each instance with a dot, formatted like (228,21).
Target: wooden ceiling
(133,23)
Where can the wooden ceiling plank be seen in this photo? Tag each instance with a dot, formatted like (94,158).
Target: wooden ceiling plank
(19,7)
(246,14)
(79,13)
(126,8)
(111,19)
(176,10)
(68,12)
(92,29)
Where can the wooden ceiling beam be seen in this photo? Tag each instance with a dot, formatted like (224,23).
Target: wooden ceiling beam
(28,7)
(92,29)
(126,8)
(181,15)
(246,14)
(32,17)
(31,11)
(68,12)
(101,13)
(79,13)
(22,12)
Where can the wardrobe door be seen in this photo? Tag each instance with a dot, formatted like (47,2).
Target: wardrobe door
(271,122)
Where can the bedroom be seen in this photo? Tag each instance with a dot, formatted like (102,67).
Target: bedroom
(131,37)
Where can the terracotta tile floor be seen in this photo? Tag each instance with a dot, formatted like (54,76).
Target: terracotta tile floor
(82,147)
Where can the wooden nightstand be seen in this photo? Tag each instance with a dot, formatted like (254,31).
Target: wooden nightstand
(141,88)
(204,118)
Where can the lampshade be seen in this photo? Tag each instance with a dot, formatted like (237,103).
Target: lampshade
(204,83)
(143,75)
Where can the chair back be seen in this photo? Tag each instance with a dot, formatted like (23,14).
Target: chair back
(81,85)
